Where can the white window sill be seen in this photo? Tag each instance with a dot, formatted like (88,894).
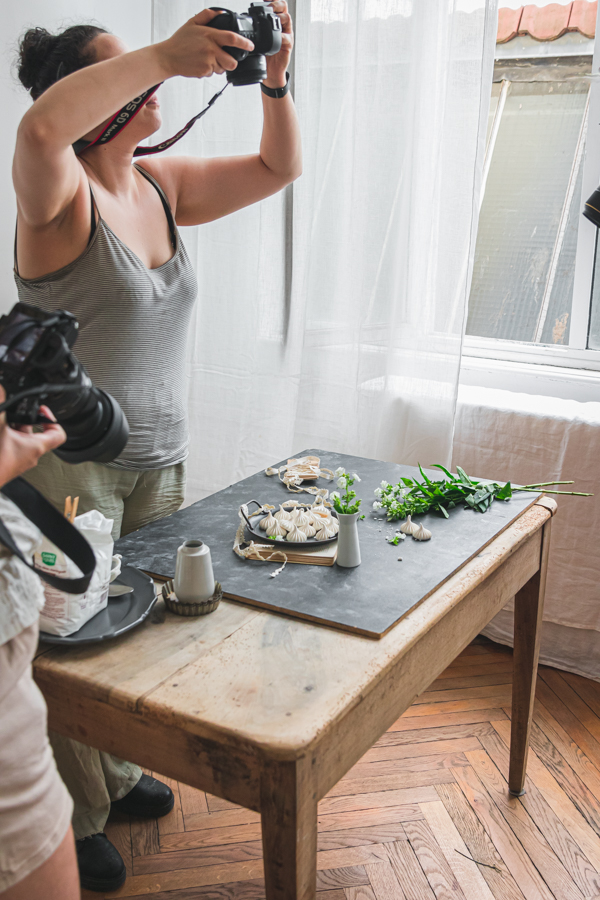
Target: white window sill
(542,379)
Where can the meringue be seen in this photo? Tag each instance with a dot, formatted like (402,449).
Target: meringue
(276,529)
(295,535)
(421,533)
(323,534)
(300,518)
(267,521)
(282,515)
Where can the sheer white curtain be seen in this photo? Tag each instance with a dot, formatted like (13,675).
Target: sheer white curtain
(332,314)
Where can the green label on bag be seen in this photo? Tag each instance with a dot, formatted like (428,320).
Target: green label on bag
(49,559)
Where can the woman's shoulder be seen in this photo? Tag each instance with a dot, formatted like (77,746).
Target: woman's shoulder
(164,172)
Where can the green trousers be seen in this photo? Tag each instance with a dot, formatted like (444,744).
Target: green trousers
(132,499)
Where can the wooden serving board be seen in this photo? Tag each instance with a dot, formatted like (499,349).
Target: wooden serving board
(367,600)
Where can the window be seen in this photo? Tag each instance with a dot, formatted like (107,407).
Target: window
(536,276)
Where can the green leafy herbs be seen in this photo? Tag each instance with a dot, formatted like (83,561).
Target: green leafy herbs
(395,540)
(410,496)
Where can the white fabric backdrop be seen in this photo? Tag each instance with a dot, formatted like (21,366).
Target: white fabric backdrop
(331,315)
(526,438)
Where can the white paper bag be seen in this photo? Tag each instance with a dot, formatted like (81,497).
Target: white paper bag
(65,613)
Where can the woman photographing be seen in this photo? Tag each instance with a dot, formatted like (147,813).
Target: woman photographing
(97,235)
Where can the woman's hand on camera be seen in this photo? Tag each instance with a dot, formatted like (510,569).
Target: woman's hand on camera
(278,63)
(196,51)
(21,448)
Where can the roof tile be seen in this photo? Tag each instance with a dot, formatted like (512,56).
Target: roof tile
(508,24)
(547,23)
(583,17)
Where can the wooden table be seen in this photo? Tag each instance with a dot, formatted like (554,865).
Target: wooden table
(270,712)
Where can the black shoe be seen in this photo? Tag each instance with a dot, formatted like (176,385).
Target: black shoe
(100,865)
(149,799)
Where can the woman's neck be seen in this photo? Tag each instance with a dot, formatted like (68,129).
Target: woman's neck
(111,166)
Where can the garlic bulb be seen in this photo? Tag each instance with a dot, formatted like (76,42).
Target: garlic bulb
(282,515)
(295,535)
(267,521)
(421,533)
(409,527)
(277,529)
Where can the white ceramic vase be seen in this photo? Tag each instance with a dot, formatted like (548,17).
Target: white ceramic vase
(194,578)
(348,554)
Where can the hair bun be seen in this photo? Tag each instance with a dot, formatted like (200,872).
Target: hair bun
(34,49)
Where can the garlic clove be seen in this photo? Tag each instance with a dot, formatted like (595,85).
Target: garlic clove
(409,527)
(421,533)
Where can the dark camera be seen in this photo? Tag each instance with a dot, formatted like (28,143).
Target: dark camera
(37,367)
(261,26)
(591,210)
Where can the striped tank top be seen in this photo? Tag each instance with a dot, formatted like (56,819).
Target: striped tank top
(133,324)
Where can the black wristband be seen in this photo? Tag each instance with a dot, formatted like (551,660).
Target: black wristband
(277,93)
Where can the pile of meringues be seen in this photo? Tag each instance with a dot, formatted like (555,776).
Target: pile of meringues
(299,524)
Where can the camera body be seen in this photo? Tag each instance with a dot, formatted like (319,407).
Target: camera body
(37,367)
(261,26)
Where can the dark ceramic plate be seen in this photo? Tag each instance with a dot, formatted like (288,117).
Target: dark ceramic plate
(121,615)
(256,532)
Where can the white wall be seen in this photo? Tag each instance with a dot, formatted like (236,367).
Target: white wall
(130,19)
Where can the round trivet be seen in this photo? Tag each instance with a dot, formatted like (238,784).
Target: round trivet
(190,609)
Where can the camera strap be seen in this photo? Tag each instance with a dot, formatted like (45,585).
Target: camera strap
(129,112)
(57,529)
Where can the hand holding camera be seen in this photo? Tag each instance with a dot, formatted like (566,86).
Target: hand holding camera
(277,64)
(250,46)
(197,50)
(21,447)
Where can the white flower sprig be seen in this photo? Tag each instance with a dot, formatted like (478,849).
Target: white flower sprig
(346,504)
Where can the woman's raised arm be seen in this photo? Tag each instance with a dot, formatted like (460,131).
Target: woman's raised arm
(46,173)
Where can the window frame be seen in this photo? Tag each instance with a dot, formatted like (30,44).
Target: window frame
(575,355)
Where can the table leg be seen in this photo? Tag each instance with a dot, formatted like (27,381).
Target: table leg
(529,606)
(289,830)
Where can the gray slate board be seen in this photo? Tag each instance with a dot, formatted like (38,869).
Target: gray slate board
(369,599)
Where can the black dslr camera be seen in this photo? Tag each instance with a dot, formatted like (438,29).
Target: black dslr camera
(591,210)
(37,367)
(261,26)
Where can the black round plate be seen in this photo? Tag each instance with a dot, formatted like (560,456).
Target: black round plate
(310,542)
(120,615)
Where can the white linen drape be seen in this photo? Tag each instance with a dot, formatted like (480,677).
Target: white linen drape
(332,314)
(529,438)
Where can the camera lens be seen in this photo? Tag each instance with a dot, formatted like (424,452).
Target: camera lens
(249,71)
(98,434)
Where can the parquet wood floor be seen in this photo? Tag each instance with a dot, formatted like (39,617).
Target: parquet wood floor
(424,815)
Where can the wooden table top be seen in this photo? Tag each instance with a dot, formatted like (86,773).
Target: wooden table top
(244,676)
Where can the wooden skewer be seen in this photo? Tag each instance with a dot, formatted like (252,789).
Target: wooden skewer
(68,507)
(74,509)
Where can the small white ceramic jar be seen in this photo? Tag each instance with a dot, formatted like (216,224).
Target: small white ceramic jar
(194,578)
